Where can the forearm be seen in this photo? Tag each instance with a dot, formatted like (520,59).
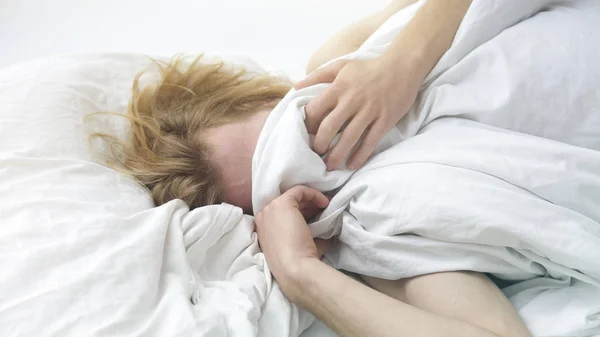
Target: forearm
(428,35)
(353,309)
(352,37)
(466,296)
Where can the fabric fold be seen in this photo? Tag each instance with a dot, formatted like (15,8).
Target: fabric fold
(495,169)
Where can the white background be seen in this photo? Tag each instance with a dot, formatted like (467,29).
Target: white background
(280,34)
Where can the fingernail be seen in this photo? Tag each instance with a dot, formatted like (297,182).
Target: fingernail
(351,166)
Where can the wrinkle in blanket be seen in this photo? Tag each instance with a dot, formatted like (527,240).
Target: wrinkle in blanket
(495,169)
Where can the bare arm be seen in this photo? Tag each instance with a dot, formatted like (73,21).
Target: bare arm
(464,296)
(429,34)
(353,36)
(451,304)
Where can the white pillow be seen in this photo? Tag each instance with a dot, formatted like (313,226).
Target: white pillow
(83,252)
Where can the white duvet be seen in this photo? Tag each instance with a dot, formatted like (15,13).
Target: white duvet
(84,252)
(496,169)
(82,249)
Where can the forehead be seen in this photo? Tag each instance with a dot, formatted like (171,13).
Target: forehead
(226,136)
(232,154)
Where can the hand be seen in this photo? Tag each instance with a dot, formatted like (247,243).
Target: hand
(371,96)
(284,236)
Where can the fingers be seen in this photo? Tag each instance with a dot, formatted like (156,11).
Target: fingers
(322,246)
(349,138)
(301,195)
(368,145)
(330,126)
(318,108)
(326,74)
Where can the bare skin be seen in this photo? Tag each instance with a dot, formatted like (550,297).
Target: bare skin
(233,146)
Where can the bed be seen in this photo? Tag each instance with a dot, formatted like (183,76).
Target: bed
(50,184)
(84,250)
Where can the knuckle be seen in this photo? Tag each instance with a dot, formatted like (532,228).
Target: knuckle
(360,93)
(327,129)
(386,112)
(348,63)
(376,105)
(380,123)
(340,84)
(352,94)
(333,68)
(269,208)
(277,203)
(348,100)
(386,116)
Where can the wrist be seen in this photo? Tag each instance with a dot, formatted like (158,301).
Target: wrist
(299,280)
(409,59)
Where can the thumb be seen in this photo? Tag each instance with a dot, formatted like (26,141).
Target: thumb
(302,196)
(326,74)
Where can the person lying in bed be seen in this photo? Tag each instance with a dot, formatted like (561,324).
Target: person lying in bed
(195,132)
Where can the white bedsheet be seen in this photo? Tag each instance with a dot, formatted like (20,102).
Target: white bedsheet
(82,249)
(84,252)
(496,169)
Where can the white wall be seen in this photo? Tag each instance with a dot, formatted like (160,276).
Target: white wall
(279,33)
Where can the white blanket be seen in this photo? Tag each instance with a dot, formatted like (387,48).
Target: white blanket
(83,250)
(496,168)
